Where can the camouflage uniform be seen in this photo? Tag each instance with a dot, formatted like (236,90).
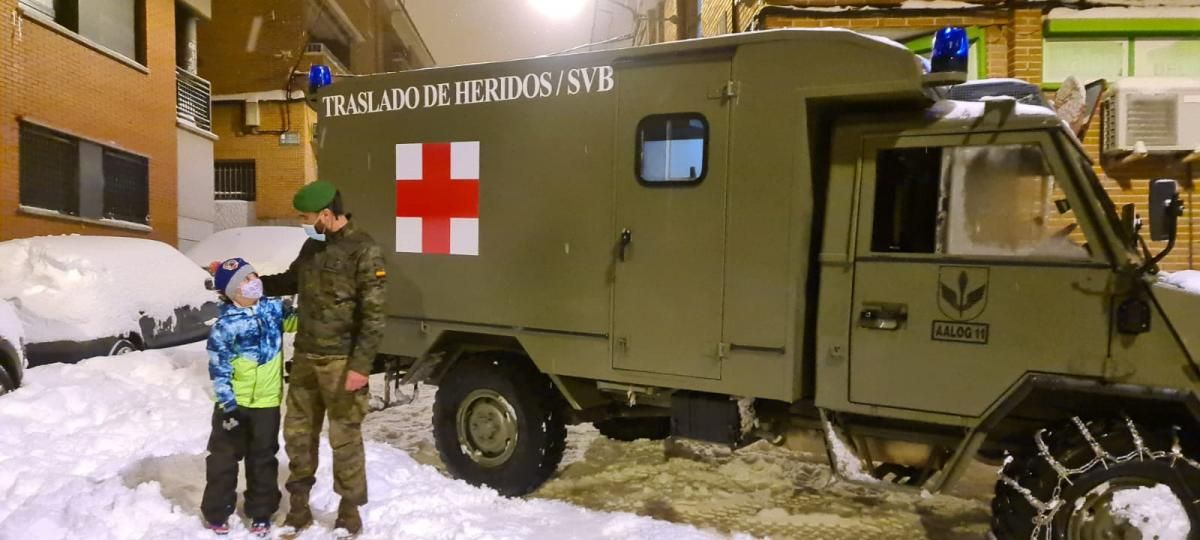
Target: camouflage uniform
(341,320)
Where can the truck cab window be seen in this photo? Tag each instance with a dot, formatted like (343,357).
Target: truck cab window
(991,200)
(906,200)
(672,149)
(1001,200)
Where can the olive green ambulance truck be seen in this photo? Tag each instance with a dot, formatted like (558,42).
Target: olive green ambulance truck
(728,239)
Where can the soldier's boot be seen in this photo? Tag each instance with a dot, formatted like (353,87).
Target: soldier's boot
(299,517)
(348,519)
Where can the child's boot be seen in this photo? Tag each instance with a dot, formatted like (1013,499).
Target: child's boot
(261,528)
(219,529)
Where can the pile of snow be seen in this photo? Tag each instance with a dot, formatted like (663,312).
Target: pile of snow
(10,329)
(114,448)
(847,461)
(270,250)
(1155,511)
(970,110)
(1188,280)
(78,288)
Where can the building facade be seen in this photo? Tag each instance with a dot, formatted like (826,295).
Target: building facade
(1040,42)
(258,61)
(88,134)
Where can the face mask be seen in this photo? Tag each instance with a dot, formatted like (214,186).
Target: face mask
(251,290)
(311,231)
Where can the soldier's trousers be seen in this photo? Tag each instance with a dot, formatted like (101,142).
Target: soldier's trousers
(317,387)
(255,439)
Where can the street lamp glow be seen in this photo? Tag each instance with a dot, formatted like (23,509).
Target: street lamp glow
(558,9)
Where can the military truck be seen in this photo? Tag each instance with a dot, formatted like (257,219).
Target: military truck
(729,239)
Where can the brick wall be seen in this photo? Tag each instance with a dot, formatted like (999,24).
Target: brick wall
(281,169)
(1025,45)
(237,60)
(56,80)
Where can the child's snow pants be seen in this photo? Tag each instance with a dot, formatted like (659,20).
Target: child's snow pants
(256,440)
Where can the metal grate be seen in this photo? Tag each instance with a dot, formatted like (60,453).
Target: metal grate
(193,99)
(236,180)
(126,187)
(1152,120)
(1110,125)
(49,170)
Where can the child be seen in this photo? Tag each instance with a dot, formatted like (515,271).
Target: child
(246,366)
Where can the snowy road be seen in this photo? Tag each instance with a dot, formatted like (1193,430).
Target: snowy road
(114,448)
(761,490)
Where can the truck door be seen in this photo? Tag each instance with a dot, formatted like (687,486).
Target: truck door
(670,174)
(972,268)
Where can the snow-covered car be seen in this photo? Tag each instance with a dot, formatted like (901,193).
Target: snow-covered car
(82,296)
(269,249)
(12,349)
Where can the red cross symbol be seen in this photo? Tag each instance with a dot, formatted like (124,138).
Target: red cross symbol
(440,206)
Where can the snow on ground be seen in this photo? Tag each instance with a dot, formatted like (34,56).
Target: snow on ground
(761,490)
(80,288)
(114,448)
(270,250)
(1155,511)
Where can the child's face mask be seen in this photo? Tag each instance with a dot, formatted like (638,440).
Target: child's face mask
(251,290)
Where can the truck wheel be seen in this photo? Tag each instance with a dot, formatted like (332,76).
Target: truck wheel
(1077,481)
(498,422)
(6,382)
(655,428)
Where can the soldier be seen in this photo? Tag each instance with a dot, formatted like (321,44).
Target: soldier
(340,277)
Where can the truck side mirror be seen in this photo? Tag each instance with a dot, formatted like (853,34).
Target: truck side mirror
(1165,208)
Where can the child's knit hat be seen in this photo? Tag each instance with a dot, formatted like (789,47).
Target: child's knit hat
(230,274)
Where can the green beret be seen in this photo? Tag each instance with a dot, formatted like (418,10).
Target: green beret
(314,197)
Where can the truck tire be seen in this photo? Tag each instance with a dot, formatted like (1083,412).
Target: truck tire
(1064,486)
(498,422)
(6,381)
(655,428)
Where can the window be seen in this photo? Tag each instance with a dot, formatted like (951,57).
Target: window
(236,180)
(49,170)
(906,200)
(1115,48)
(994,200)
(672,149)
(114,24)
(126,187)
(1086,59)
(75,177)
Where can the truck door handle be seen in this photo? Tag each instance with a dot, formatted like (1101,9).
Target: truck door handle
(883,316)
(626,239)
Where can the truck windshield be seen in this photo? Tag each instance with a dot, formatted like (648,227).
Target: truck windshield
(1111,217)
(1003,200)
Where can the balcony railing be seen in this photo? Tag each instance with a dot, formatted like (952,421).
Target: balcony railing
(193,99)
(326,56)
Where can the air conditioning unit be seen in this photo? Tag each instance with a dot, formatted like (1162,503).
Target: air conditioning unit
(1153,115)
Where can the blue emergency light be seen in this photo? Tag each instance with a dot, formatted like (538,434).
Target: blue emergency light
(319,77)
(951,49)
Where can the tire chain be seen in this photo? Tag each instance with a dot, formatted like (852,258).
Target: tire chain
(1047,509)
